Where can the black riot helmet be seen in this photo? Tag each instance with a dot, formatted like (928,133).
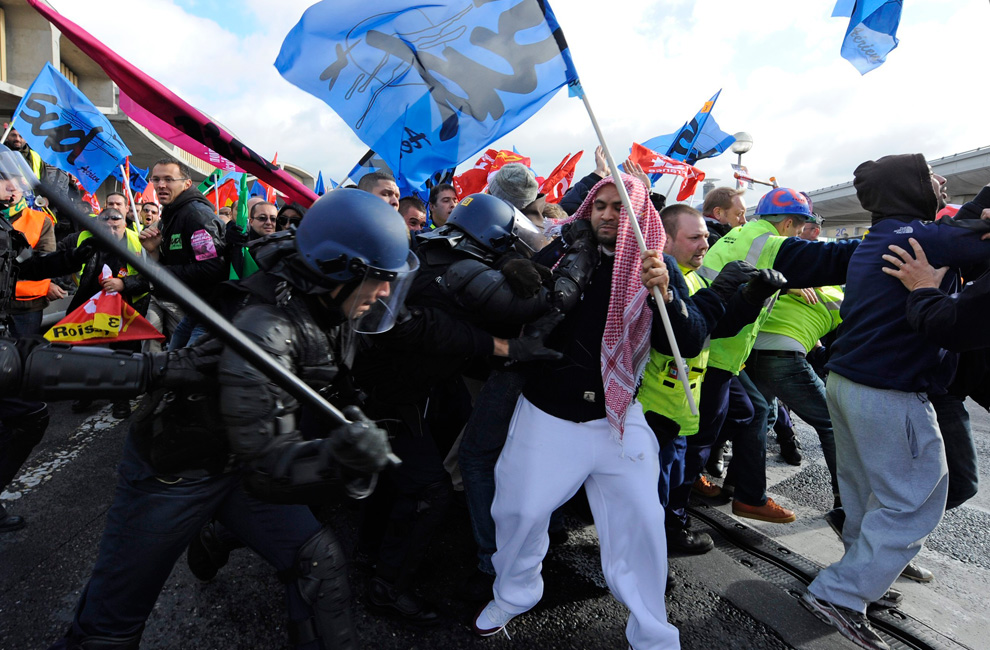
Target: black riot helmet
(494,225)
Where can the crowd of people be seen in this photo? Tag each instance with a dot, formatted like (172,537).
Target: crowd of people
(514,351)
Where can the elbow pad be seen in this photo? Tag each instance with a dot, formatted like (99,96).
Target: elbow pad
(573,272)
(484,291)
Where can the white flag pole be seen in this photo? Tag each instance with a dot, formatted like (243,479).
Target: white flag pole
(10,126)
(130,197)
(681,370)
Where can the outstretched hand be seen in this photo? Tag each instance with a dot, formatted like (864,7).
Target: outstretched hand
(913,272)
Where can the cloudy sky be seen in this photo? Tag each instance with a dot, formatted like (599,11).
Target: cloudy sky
(647,67)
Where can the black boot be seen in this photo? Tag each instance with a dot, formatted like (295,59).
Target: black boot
(410,607)
(789,450)
(9,523)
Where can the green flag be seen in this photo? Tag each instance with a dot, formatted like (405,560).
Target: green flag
(210,181)
(243,264)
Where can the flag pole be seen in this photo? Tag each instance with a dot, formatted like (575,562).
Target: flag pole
(10,126)
(624,195)
(130,197)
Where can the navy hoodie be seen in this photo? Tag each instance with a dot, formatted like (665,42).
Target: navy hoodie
(876,345)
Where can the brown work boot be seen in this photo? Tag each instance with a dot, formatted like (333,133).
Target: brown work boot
(769,511)
(706,488)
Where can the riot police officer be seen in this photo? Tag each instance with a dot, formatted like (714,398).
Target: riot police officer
(348,261)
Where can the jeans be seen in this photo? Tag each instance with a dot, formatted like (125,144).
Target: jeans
(186,333)
(26,324)
(150,524)
(791,378)
(484,437)
(723,398)
(748,469)
(960,452)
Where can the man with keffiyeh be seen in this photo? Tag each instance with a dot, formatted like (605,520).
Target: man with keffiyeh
(577,423)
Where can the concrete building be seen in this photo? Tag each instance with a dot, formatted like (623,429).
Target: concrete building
(28,41)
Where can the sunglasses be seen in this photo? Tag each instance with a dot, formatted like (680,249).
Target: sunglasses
(265,219)
(111,218)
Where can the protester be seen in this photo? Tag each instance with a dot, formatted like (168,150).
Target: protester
(381,184)
(413,211)
(187,240)
(879,373)
(292,214)
(578,415)
(17,143)
(443,198)
(262,220)
(724,209)
(149,214)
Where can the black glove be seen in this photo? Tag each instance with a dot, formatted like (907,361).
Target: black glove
(731,277)
(763,285)
(524,277)
(577,230)
(233,236)
(529,345)
(81,253)
(360,445)
(187,366)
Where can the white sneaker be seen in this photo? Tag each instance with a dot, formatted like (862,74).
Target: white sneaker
(491,620)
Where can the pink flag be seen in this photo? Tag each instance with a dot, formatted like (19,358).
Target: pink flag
(173,111)
(154,124)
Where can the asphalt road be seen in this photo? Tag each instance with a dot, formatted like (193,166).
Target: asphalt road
(719,602)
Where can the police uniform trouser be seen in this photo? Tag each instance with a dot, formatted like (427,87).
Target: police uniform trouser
(22,425)
(150,524)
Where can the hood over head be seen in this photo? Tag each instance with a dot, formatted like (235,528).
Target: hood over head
(896,187)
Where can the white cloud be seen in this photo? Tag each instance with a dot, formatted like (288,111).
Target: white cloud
(647,66)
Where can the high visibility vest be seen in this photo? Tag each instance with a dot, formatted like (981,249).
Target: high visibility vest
(758,243)
(30,223)
(34,161)
(133,245)
(805,323)
(661,391)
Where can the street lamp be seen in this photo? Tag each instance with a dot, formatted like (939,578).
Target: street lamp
(743,143)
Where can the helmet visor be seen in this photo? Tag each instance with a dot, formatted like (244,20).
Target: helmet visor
(375,302)
(529,238)
(16,178)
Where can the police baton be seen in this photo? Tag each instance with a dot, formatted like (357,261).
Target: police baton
(193,304)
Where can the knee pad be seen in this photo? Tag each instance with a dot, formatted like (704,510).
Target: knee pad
(28,430)
(320,573)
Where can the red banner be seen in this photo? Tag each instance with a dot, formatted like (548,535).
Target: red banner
(175,112)
(656,163)
(559,180)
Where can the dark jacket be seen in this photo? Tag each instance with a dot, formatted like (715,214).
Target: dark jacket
(89,280)
(572,389)
(876,345)
(192,247)
(716,230)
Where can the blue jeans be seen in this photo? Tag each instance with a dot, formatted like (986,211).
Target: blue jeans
(26,324)
(150,524)
(482,442)
(960,452)
(789,377)
(672,466)
(748,469)
(723,399)
(186,333)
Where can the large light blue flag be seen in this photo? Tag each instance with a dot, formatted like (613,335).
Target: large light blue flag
(67,131)
(871,34)
(428,85)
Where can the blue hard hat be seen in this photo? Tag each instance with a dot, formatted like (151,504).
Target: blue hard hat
(784,200)
(348,234)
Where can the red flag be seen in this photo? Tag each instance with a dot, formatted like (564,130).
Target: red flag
(475,179)
(559,180)
(656,163)
(149,195)
(104,318)
(174,112)
(93,201)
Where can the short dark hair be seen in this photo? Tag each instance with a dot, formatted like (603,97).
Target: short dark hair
(370,180)
(257,205)
(411,201)
(169,160)
(671,217)
(439,189)
(120,194)
(720,197)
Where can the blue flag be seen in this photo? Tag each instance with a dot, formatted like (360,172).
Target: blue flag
(258,190)
(695,140)
(67,131)
(320,189)
(427,85)
(870,36)
(137,180)
(372,162)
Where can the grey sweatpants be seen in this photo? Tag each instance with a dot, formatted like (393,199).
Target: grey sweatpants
(893,481)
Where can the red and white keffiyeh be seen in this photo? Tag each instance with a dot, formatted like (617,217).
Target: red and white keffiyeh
(626,342)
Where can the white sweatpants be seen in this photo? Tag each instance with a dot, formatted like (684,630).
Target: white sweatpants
(543,464)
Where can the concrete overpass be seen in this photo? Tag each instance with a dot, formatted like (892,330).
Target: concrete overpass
(965,173)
